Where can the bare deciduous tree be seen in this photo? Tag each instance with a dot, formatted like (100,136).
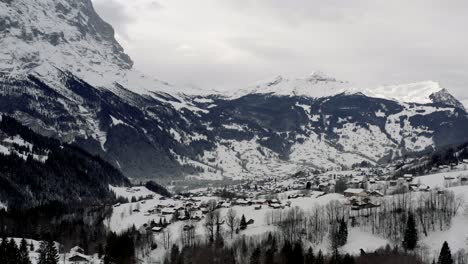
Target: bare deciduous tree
(232,221)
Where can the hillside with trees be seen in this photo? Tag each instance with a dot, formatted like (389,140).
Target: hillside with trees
(36,170)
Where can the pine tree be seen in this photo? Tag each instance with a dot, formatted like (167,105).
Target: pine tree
(348,259)
(270,256)
(12,255)
(286,252)
(42,253)
(320,259)
(243,223)
(342,233)
(411,234)
(175,252)
(445,256)
(3,249)
(309,257)
(298,253)
(24,253)
(52,253)
(255,257)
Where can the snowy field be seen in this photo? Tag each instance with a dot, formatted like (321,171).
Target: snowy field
(124,217)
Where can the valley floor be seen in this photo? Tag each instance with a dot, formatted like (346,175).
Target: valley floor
(127,215)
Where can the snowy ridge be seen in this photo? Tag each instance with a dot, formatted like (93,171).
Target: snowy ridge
(419,92)
(316,85)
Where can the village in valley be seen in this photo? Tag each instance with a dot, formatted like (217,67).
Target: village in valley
(256,208)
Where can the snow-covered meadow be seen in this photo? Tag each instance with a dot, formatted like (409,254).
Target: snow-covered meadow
(359,238)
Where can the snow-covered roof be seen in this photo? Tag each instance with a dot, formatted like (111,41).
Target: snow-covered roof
(354,191)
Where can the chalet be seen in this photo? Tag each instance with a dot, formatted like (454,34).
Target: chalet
(449,178)
(188,227)
(357,180)
(117,205)
(78,258)
(258,207)
(408,177)
(354,192)
(168,211)
(275,206)
(77,249)
(243,202)
(376,194)
(424,188)
(157,229)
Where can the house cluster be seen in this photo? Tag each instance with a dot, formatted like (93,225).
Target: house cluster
(360,199)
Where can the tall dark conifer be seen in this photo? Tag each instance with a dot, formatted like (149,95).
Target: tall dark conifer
(411,234)
(52,253)
(445,256)
(175,252)
(286,252)
(243,223)
(342,233)
(320,259)
(255,257)
(309,257)
(24,252)
(298,253)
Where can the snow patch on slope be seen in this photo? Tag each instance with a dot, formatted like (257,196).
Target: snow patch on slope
(418,92)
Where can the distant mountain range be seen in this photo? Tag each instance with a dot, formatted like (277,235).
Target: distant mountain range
(65,76)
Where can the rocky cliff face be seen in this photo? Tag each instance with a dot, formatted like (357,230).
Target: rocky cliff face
(64,75)
(64,34)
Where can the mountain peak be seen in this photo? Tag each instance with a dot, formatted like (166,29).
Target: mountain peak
(315,85)
(66,34)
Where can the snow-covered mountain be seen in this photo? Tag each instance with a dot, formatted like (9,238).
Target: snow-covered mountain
(64,75)
(316,85)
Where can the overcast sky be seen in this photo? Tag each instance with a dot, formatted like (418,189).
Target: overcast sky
(228,44)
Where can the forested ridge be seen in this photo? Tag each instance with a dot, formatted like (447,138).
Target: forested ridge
(68,175)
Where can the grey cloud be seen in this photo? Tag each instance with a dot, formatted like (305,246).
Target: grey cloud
(116,14)
(364,41)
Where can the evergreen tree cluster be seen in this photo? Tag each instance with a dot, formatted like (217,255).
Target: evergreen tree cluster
(10,253)
(157,188)
(69,175)
(48,253)
(120,248)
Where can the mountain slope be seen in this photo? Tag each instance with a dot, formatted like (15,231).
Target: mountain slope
(35,170)
(81,88)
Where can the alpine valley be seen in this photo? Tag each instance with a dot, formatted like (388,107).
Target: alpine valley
(64,75)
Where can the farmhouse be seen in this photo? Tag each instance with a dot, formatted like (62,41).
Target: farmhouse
(78,258)
(354,192)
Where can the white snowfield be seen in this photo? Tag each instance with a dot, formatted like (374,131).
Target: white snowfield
(418,92)
(318,85)
(456,235)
